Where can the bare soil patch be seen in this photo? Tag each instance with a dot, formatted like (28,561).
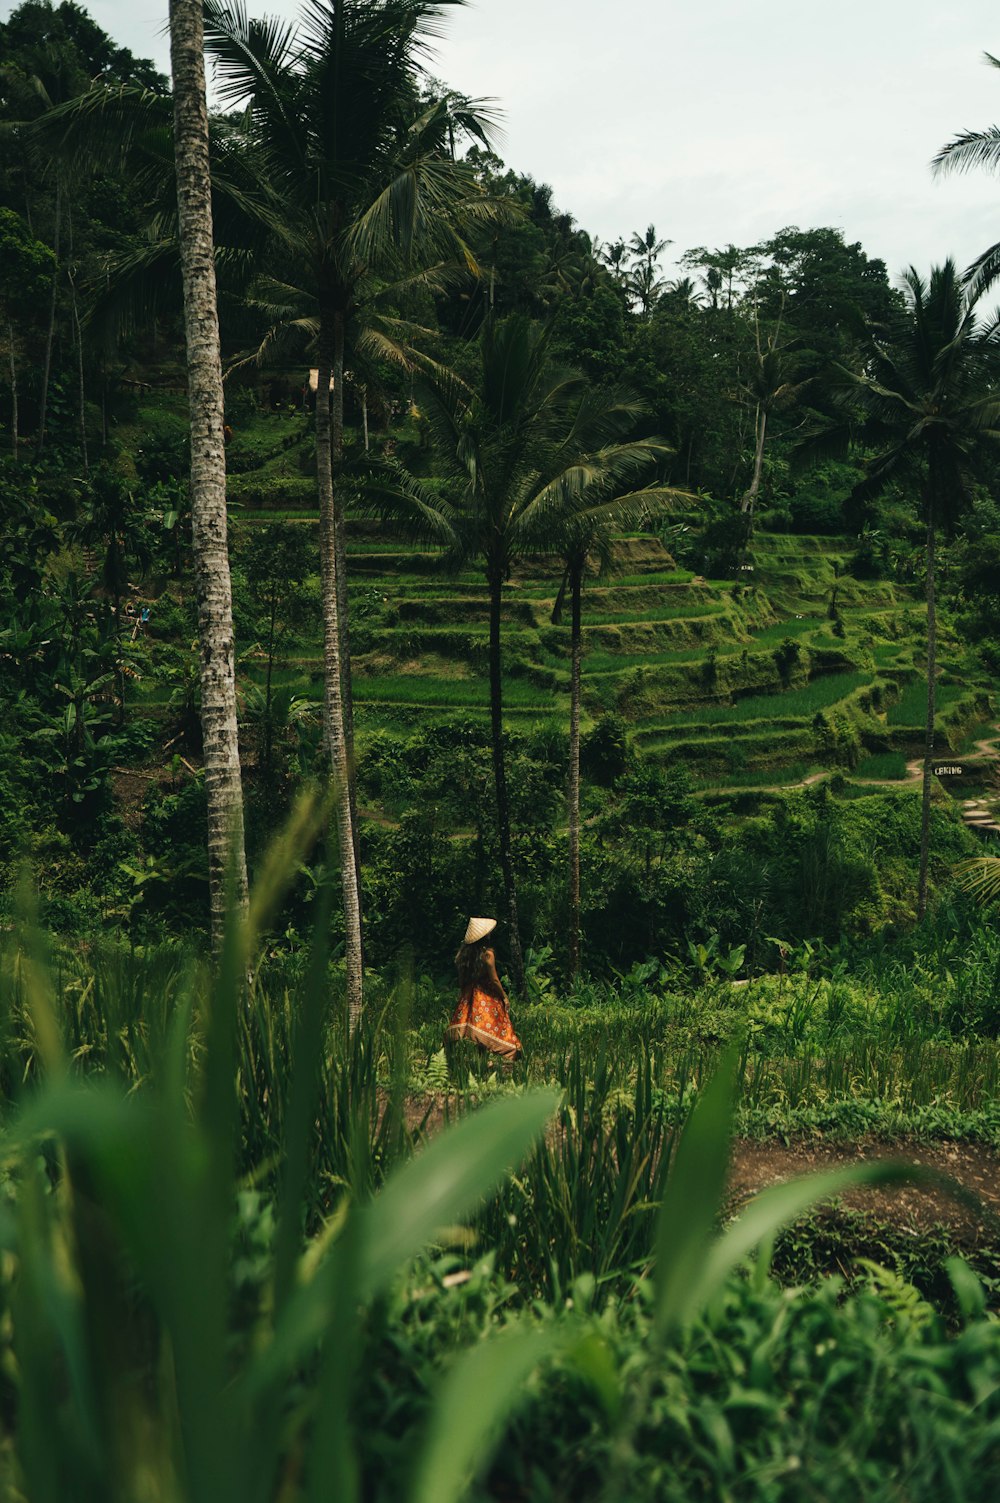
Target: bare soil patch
(971,1212)
(972,1216)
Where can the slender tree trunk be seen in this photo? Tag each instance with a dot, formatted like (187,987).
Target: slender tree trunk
(50,336)
(343,604)
(576,638)
(333,705)
(78,340)
(364,415)
(268,736)
(500,777)
(925,808)
(750,494)
(216,643)
(13,392)
(116,596)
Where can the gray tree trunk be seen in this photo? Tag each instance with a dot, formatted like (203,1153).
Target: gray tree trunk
(13,392)
(333,704)
(576,639)
(78,339)
(500,776)
(226,849)
(343,604)
(50,335)
(925,806)
(750,494)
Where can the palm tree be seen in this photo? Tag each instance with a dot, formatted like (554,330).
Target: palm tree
(930,396)
(110,521)
(647,249)
(613,257)
(683,291)
(768,390)
(334,165)
(645,286)
(226,850)
(967,151)
(644,282)
(584,538)
(527,449)
(361,183)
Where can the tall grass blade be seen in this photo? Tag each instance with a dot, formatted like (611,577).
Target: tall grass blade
(775,1207)
(693,1197)
(476,1397)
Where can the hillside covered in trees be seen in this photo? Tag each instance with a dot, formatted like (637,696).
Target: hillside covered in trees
(380,549)
(752,634)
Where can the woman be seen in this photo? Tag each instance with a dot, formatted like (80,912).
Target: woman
(483,1012)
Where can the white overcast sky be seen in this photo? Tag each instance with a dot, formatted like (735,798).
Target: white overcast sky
(724,120)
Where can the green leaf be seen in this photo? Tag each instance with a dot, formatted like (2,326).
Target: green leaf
(774,1208)
(969,1292)
(446,1180)
(442,1184)
(693,1198)
(472,1404)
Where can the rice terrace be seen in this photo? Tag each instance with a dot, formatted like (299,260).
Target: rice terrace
(499,755)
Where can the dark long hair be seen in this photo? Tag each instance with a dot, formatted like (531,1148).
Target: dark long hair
(469,961)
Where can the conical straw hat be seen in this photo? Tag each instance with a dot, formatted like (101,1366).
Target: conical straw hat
(478,929)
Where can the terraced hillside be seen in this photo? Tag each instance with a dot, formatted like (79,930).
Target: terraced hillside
(798,669)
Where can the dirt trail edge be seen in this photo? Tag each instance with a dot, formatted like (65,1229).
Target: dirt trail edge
(973,1218)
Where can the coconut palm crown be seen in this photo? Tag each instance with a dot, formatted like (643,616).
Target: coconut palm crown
(529,450)
(930,398)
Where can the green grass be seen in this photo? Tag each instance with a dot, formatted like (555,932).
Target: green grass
(911,707)
(656,613)
(772,636)
(984,730)
(884,766)
(760,777)
(818,694)
(424,689)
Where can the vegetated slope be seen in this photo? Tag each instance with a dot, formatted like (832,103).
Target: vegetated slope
(797,668)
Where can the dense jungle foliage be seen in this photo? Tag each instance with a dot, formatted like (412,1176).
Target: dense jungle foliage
(714,683)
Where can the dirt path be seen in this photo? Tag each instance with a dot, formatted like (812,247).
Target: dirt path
(987,749)
(973,1219)
(970,1213)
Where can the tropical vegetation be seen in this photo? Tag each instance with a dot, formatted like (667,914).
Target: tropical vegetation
(380,548)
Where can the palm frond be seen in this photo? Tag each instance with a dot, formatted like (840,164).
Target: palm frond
(108,125)
(980,877)
(969,150)
(388,492)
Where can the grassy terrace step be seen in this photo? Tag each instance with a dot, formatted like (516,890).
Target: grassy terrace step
(817,694)
(649,614)
(911,707)
(403,717)
(773,544)
(447,610)
(422,689)
(720,757)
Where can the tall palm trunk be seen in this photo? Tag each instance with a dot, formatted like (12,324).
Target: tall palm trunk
(343,606)
(13,392)
(500,775)
(925,809)
(333,705)
(51,332)
(749,500)
(576,640)
(78,341)
(226,849)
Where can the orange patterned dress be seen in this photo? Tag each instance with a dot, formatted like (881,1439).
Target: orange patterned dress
(483,1014)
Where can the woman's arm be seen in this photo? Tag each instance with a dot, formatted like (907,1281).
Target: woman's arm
(493,981)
